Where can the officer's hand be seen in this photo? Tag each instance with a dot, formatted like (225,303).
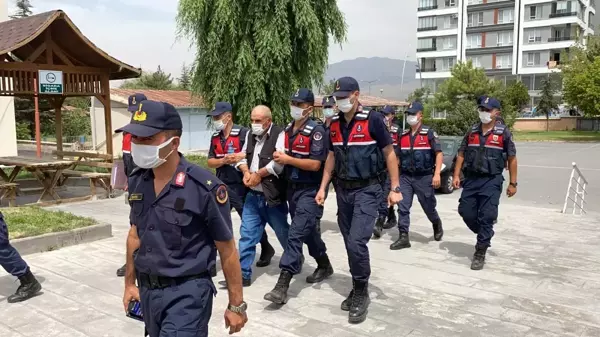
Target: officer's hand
(132,293)
(511,190)
(394,198)
(436,181)
(247,177)
(234,321)
(320,198)
(280,157)
(456,182)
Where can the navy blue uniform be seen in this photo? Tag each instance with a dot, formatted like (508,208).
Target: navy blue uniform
(482,187)
(359,162)
(10,259)
(417,161)
(308,142)
(177,231)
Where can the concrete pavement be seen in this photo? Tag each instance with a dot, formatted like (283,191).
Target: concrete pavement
(542,278)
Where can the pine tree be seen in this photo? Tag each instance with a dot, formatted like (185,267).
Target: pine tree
(548,102)
(158,80)
(23,9)
(251,52)
(185,80)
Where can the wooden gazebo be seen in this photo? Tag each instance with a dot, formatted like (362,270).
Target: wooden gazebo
(50,44)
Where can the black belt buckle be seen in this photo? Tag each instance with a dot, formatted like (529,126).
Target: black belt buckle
(154,282)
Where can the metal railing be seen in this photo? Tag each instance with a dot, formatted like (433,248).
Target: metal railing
(578,191)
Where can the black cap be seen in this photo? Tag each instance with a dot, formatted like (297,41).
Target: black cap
(328,102)
(303,95)
(345,86)
(134,100)
(221,108)
(151,118)
(388,109)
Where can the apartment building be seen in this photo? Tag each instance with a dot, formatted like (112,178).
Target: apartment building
(510,39)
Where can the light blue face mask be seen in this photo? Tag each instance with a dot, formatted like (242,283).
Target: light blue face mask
(328,112)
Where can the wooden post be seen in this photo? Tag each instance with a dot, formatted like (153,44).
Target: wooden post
(107,115)
(57,102)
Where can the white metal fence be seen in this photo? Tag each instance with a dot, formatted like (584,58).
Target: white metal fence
(576,192)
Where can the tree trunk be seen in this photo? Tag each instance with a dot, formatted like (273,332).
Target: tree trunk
(547,122)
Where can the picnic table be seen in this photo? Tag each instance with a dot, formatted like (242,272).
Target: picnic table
(46,171)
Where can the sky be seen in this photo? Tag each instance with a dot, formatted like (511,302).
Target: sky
(384,28)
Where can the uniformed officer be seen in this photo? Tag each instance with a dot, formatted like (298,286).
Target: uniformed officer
(329,110)
(360,149)
(179,212)
(14,264)
(305,153)
(482,152)
(421,158)
(387,217)
(226,151)
(133,103)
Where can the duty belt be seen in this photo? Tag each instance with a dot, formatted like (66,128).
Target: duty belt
(353,184)
(300,186)
(160,282)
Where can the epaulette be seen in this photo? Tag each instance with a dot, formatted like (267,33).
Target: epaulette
(308,128)
(289,126)
(203,177)
(235,131)
(406,131)
(136,170)
(362,115)
(499,129)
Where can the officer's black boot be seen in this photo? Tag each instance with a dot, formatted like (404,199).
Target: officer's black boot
(360,303)
(279,294)
(391,219)
(478,257)
(323,271)
(378,229)
(121,271)
(438,231)
(402,242)
(346,303)
(266,252)
(29,287)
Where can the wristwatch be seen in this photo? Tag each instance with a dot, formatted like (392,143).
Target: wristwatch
(396,189)
(239,309)
(513,184)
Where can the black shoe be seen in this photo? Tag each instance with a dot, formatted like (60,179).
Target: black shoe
(213,271)
(346,303)
(323,271)
(29,287)
(279,294)
(391,219)
(360,303)
(378,229)
(478,258)
(266,254)
(246,282)
(121,271)
(402,242)
(438,231)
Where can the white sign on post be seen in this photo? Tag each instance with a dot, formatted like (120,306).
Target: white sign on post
(50,82)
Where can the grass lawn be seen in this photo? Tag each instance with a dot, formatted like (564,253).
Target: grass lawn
(32,221)
(565,136)
(200,161)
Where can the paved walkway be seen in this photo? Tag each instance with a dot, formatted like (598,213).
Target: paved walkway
(542,279)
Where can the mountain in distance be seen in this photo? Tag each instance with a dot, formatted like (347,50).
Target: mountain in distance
(386,71)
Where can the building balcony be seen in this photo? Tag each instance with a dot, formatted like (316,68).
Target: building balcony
(421,50)
(562,14)
(553,64)
(562,38)
(425,29)
(491,27)
(429,69)
(428,8)
(488,50)
(490,5)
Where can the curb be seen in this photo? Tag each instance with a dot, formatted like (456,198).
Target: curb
(53,241)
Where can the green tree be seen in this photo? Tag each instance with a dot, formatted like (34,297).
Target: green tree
(76,123)
(581,77)
(327,89)
(548,102)
(158,80)
(185,80)
(259,52)
(517,95)
(23,9)
(420,94)
(460,118)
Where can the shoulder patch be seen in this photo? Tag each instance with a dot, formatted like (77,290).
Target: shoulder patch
(221,194)
(499,129)
(318,135)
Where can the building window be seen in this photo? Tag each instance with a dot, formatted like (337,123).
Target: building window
(450,3)
(561,6)
(476,61)
(474,2)
(449,43)
(473,41)
(504,61)
(505,39)
(451,21)
(427,22)
(427,3)
(534,36)
(533,59)
(533,12)
(448,63)
(427,43)
(475,19)
(506,16)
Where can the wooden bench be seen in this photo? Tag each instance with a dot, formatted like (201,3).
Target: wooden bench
(89,159)
(9,191)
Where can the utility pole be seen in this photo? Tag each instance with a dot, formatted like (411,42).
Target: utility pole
(373,81)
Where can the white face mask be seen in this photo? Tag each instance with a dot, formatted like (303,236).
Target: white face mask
(345,105)
(296,112)
(257,129)
(147,157)
(219,125)
(412,120)
(329,112)
(485,117)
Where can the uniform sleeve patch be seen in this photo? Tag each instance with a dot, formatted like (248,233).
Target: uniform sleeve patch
(318,136)
(221,194)
(435,135)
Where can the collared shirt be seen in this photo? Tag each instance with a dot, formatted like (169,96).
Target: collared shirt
(272,167)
